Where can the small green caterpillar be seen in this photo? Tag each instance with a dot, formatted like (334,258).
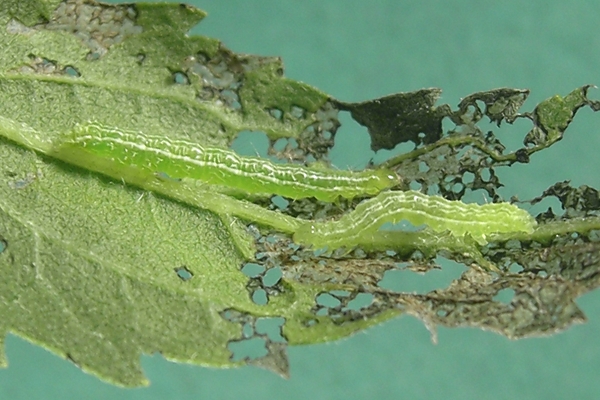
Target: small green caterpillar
(434,211)
(181,159)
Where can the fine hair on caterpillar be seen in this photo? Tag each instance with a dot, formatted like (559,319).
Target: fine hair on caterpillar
(183,159)
(437,213)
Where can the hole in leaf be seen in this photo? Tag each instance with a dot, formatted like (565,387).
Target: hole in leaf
(280,144)
(504,296)
(271,327)
(457,187)
(272,277)
(280,202)
(229,315)
(3,245)
(361,300)
(231,99)
(515,268)
(433,189)
(248,349)
(406,281)
(180,78)
(253,270)
(547,204)
(351,136)
(259,296)
(292,143)
(414,185)
(448,125)
(251,143)
(276,113)
(184,273)
(322,312)
(327,300)
(468,177)
(297,112)
(71,71)
(310,322)
(485,174)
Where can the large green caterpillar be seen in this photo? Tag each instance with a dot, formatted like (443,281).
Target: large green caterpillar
(417,208)
(182,159)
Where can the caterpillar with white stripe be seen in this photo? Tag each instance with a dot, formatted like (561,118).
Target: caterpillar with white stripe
(437,213)
(182,159)
(108,150)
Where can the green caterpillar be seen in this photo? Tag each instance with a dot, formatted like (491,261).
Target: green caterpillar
(181,159)
(137,159)
(434,211)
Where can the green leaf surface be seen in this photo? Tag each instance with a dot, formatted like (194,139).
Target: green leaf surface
(101,269)
(99,272)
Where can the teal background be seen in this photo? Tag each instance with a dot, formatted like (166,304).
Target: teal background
(357,50)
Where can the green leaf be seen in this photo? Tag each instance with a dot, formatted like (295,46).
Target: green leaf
(99,272)
(103,268)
